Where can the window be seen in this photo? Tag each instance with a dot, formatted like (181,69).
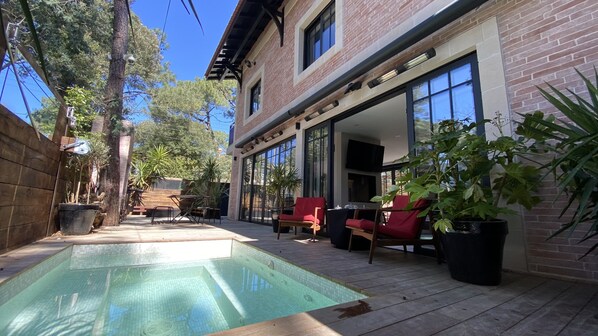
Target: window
(319,36)
(451,93)
(256,98)
(315,179)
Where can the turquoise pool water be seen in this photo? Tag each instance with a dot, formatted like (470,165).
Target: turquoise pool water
(189,288)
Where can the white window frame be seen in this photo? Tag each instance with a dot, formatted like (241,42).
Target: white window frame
(247,86)
(306,20)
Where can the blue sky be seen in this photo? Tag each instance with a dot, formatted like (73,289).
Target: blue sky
(189,53)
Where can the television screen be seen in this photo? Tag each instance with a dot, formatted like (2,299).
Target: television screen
(364,156)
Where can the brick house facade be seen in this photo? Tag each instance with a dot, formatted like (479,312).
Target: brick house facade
(511,46)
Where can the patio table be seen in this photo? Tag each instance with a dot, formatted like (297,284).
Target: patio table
(186,204)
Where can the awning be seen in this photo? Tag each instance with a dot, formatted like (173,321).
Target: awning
(247,23)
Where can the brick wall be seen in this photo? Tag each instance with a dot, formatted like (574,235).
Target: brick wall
(541,41)
(27,175)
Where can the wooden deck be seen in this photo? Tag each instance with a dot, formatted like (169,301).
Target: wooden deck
(413,295)
(408,294)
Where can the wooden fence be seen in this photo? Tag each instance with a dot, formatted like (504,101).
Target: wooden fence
(28,169)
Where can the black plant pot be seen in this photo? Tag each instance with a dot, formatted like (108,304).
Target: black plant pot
(77,219)
(474,251)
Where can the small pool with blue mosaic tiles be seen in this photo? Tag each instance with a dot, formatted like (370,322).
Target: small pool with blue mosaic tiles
(182,288)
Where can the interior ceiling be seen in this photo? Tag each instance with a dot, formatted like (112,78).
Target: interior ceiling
(385,123)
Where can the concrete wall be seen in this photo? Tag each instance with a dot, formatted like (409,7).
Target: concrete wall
(27,174)
(519,45)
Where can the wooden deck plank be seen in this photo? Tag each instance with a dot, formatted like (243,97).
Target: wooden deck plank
(584,323)
(554,316)
(506,315)
(457,312)
(378,318)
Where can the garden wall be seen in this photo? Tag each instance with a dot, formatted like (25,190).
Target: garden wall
(27,176)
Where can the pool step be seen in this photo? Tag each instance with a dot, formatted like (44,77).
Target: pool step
(227,301)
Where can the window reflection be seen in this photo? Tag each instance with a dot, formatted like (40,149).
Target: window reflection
(256,205)
(316,163)
(449,95)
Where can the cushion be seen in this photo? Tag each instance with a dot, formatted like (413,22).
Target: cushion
(364,224)
(298,218)
(401,224)
(306,206)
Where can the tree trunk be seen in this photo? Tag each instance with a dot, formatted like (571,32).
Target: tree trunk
(113,100)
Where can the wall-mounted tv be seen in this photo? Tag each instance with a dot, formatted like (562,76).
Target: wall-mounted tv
(364,156)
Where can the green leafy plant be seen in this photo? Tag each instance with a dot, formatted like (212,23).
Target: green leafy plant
(146,171)
(79,168)
(469,176)
(281,181)
(208,184)
(573,145)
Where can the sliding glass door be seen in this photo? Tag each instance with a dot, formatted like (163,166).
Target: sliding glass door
(255,203)
(316,178)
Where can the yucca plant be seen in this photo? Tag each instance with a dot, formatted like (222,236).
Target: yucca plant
(147,171)
(282,181)
(573,143)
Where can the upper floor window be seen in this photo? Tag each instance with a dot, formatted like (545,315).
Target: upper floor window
(256,98)
(319,35)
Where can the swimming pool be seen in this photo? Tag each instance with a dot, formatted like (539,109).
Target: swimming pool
(182,288)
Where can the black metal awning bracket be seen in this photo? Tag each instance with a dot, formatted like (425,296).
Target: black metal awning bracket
(235,72)
(278,18)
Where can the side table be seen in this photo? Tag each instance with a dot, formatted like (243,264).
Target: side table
(339,235)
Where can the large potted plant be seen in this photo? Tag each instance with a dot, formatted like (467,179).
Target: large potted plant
(78,215)
(281,182)
(572,147)
(472,181)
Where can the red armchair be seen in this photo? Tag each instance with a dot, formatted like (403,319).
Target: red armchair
(308,212)
(403,226)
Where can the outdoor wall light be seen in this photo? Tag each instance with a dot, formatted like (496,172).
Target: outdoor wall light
(322,110)
(329,107)
(273,136)
(418,60)
(402,68)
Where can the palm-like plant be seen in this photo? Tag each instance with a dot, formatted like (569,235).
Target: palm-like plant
(146,171)
(282,180)
(574,145)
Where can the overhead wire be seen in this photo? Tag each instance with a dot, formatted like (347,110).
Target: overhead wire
(163,37)
(4,83)
(32,94)
(35,80)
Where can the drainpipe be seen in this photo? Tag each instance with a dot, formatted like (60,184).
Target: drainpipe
(426,28)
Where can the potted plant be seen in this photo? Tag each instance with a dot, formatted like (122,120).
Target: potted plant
(472,181)
(282,180)
(572,145)
(78,214)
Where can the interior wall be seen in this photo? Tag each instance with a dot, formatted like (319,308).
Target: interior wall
(341,174)
(28,169)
